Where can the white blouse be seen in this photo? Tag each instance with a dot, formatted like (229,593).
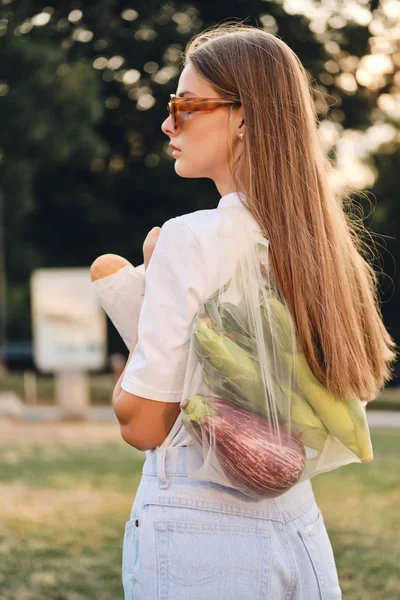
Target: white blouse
(179,278)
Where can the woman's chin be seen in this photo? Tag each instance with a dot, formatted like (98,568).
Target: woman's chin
(180,168)
(185,171)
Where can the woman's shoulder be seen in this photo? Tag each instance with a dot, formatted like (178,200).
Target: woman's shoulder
(200,221)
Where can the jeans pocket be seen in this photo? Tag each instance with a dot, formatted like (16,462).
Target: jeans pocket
(319,549)
(129,552)
(212,560)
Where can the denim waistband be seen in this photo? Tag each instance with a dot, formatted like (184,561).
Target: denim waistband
(180,461)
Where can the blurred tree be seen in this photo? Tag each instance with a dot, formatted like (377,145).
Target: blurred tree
(49,112)
(134,54)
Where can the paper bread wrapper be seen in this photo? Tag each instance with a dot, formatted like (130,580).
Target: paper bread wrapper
(121,296)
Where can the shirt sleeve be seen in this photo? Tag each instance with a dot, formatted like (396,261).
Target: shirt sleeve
(174,293)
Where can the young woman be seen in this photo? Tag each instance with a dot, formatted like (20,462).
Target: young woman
(243,116)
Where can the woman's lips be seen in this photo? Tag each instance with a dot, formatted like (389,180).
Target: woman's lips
(175,150)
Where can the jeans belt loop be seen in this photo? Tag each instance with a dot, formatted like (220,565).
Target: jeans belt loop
(161,468)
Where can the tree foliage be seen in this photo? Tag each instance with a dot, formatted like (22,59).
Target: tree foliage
(83,92)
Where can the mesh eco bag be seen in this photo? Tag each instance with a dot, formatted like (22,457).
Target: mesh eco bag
(258,415)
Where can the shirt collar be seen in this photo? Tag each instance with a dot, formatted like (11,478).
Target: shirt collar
(232,199)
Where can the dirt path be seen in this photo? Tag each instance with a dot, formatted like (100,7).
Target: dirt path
(72,433)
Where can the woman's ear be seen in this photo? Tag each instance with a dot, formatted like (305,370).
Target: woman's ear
(241,130)
(242,126)
(238,126)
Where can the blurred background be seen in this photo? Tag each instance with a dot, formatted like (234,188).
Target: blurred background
(85,170)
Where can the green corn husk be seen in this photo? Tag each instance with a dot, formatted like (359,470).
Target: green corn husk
(195,409)
(231,369)
(275,313)
(235,326)
(211,307)
(245,343)
(233,319)
(223,353)
(305,424)
(237,368)
(220,387)
(345,419)
(234,362)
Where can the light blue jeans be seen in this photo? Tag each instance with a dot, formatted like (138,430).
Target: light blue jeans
(193,540)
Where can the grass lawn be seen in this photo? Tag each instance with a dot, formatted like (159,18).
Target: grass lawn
(360,504)
(65,499)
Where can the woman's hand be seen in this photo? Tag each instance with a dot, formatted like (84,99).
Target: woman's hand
(149,245)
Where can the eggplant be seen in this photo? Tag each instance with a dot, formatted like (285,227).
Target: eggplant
(261,459)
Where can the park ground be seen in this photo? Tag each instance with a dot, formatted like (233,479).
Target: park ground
(66,491)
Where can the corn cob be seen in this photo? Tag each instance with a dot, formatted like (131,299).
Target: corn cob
(234,364)
(344,419)
(304,422)
(220,387)
(278,325)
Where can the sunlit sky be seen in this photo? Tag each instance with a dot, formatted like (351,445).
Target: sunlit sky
(353,147)
(381,64)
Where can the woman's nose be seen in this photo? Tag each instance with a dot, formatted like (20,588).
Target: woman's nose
(167,126)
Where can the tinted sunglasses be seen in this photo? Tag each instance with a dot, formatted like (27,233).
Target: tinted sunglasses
(180,105)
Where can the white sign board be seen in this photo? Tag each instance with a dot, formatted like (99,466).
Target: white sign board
(69,325)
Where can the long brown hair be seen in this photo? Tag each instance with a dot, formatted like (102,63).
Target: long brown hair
(316,246)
